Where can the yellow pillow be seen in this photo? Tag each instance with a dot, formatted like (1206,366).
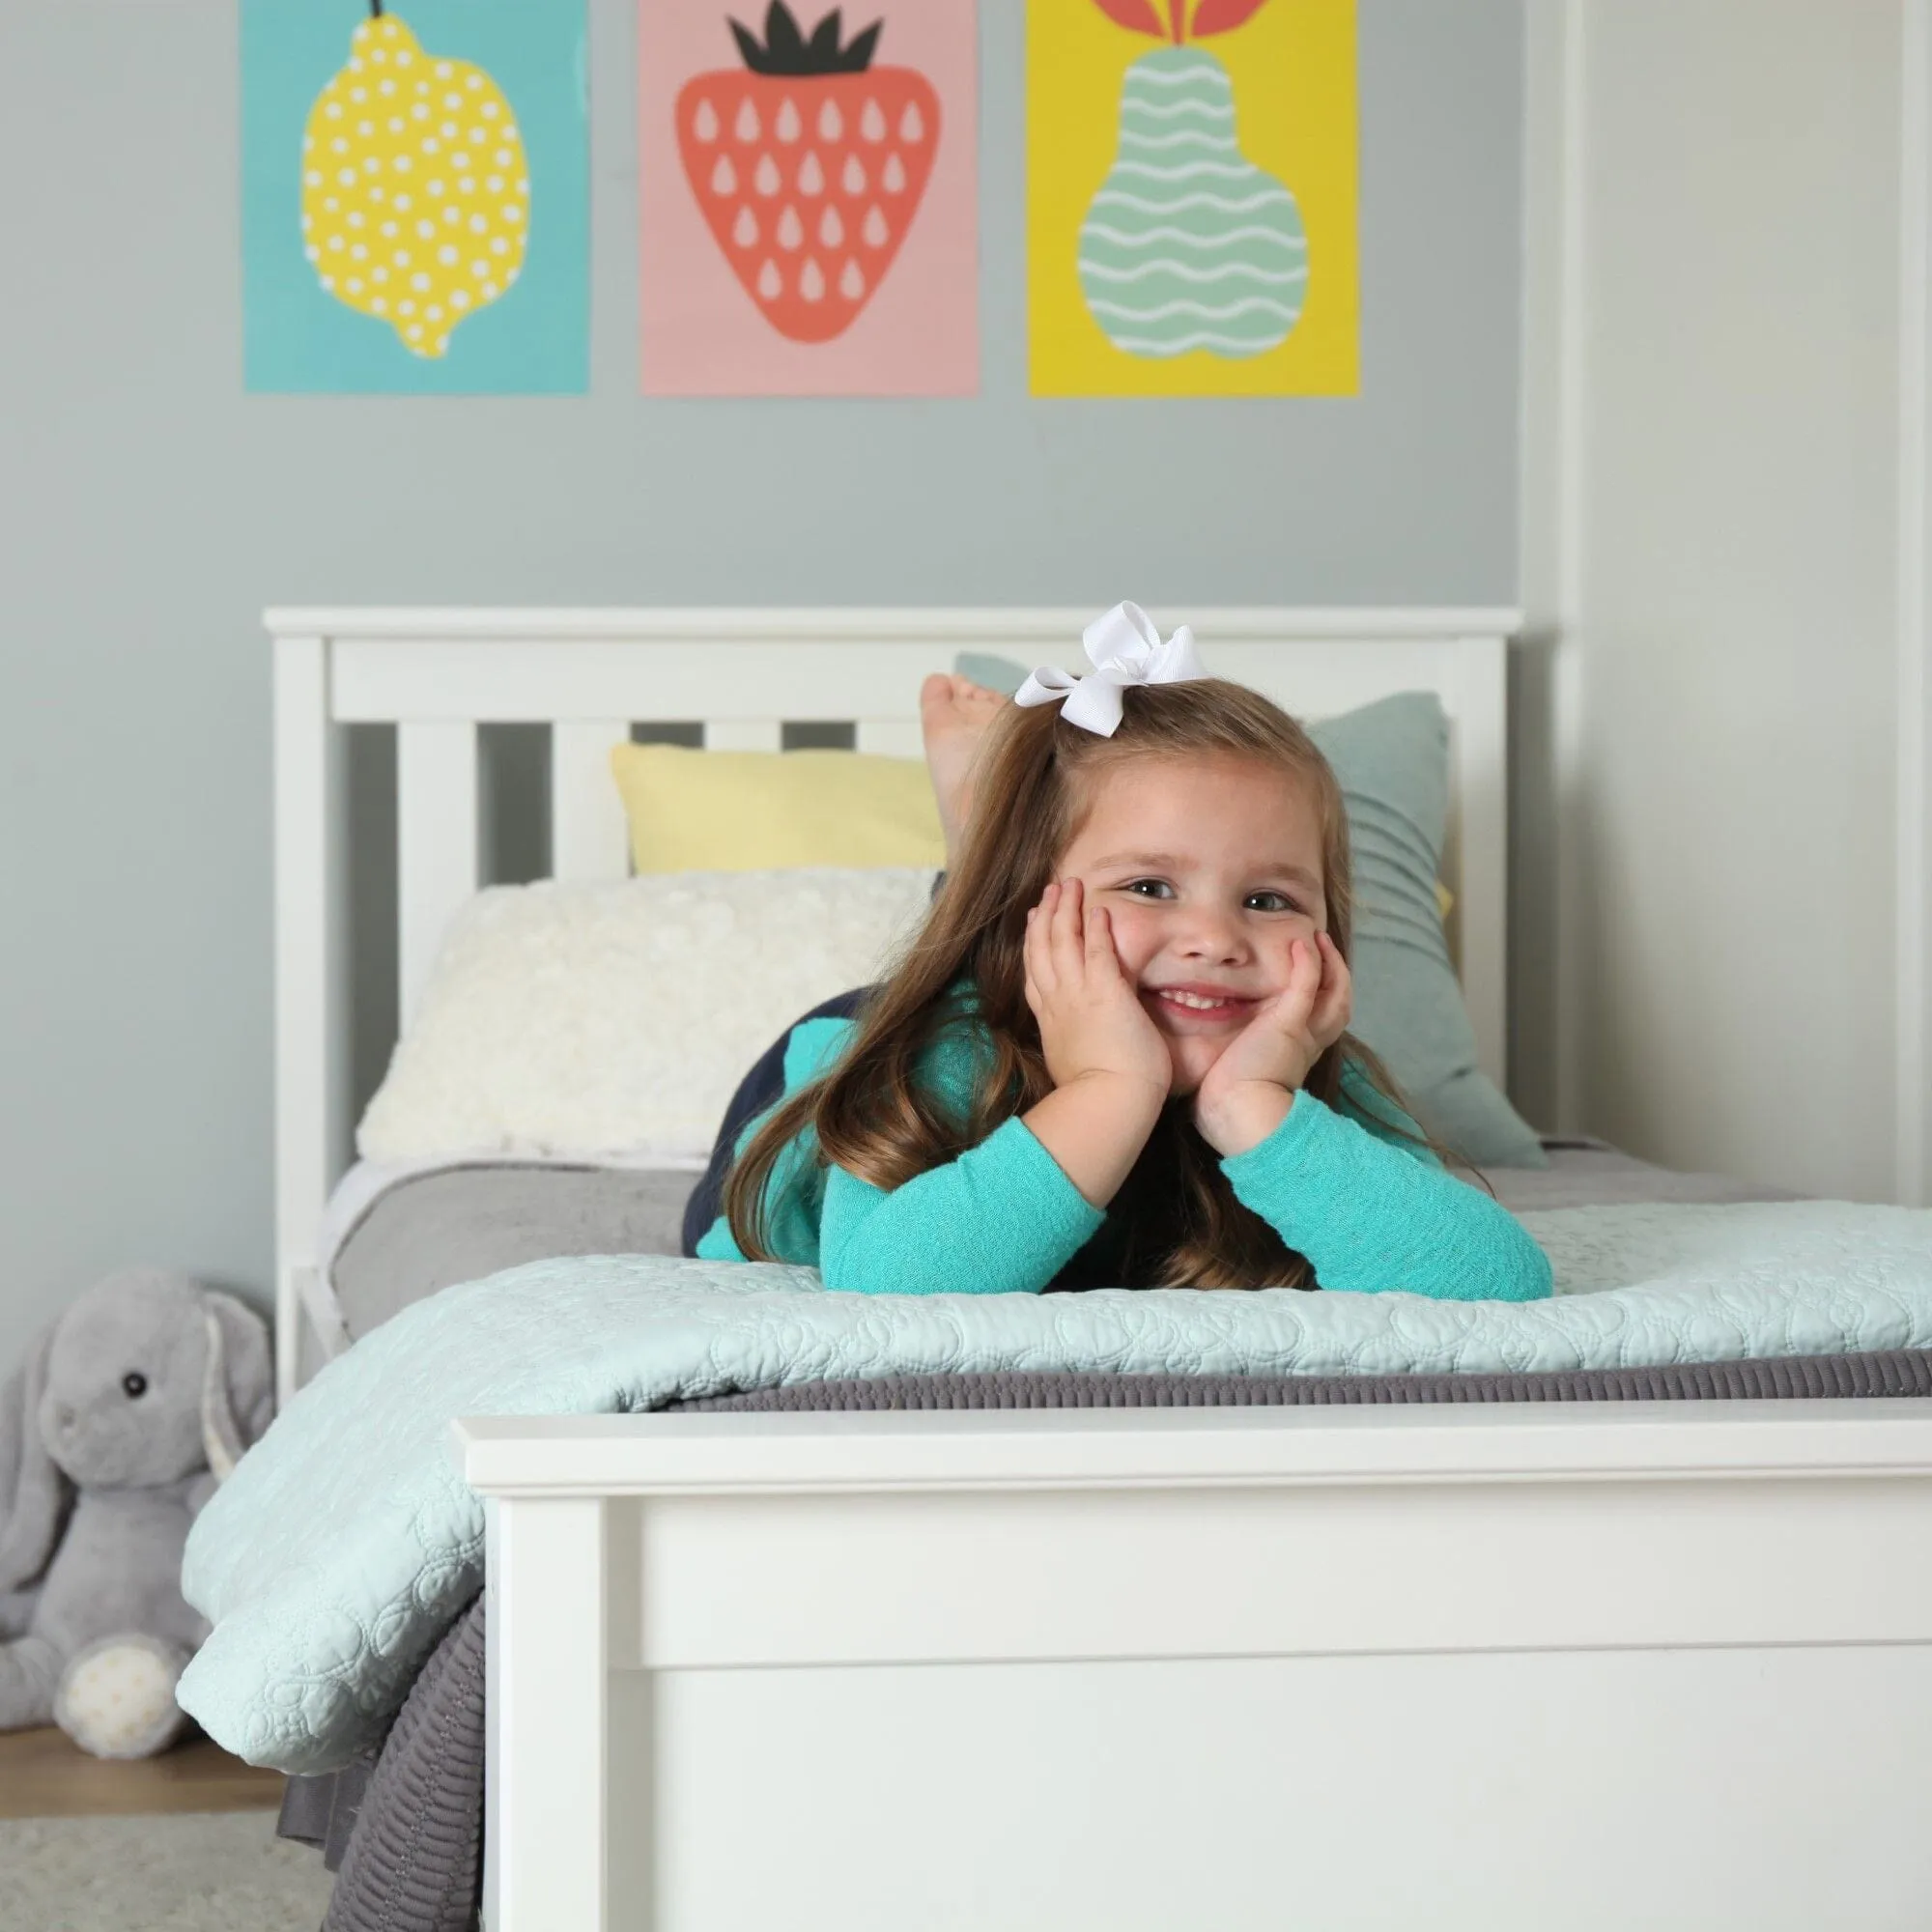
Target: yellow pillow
(757,811)
(754,811)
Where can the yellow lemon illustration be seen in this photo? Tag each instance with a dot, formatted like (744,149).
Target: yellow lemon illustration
(415,188)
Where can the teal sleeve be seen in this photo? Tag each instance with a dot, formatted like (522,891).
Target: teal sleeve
(716,1244)
(1001,1219)
(1374,1215)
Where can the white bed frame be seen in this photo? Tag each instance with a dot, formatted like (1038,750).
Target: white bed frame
(1656,1665)
(1635,1667)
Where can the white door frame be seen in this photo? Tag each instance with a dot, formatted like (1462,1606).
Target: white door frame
(1555,427)
(1912,1097)
(1551,508)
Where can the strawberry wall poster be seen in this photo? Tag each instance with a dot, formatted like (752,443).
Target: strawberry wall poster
(415,196)
(1191,185)
(808,198)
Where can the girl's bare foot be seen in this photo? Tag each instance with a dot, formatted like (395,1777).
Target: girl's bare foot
(954,714)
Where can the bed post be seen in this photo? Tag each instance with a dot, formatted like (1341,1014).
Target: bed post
(1479,795)
(305,944)
(566,1806)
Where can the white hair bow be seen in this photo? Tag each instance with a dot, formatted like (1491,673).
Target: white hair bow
(1124,648)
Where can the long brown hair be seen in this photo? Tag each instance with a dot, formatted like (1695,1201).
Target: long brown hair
(1181,1224)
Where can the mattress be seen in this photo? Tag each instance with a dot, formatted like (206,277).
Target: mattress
(395,1234)
(1585,1173)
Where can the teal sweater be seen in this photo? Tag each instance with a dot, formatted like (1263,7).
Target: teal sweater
(1371,1210)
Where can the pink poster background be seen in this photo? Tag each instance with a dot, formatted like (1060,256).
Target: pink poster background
(704,335)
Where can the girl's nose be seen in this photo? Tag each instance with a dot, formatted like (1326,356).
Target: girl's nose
(1211,934)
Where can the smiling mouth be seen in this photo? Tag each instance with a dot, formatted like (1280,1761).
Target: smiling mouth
(1197,1005)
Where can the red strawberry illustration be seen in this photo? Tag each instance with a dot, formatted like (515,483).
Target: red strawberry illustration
(809,164)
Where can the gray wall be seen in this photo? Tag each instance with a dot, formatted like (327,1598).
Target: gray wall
(149,510)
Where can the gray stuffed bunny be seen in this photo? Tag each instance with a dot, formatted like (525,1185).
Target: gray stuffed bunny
(125,1415)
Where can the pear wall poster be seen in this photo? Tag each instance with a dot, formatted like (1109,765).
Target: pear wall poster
(808,198)
(415,200)
(1191,192)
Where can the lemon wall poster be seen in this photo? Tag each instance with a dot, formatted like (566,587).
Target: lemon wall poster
(415,196)
(1191,184)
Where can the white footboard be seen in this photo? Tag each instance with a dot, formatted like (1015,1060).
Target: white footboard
(1638,1666)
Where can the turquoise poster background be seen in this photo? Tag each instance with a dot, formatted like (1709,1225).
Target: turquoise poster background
(533,339)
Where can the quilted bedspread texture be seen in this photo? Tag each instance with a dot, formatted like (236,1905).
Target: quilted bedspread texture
(336,1554)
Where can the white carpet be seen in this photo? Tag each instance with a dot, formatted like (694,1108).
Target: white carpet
(188,1872)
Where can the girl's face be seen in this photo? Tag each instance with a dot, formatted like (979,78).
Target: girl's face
(1207,869)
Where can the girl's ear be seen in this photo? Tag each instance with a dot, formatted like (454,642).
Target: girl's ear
(35,1492)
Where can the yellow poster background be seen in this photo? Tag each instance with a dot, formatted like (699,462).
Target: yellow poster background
(1293,69)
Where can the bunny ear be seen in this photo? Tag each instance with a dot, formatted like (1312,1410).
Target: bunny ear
(237,1383)
(33,1490)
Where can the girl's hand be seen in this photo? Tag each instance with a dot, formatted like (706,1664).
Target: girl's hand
(1091,1019)
(1247,1093)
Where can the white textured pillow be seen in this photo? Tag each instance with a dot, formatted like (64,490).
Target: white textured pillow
(618,1019)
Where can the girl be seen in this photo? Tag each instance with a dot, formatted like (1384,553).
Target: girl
(1117,1054)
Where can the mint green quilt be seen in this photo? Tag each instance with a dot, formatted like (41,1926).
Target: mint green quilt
(332,1559)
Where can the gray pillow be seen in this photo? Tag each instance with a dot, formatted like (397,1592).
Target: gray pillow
(1392,758)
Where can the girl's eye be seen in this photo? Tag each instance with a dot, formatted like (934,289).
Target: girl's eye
(1148,888)
(1269,902)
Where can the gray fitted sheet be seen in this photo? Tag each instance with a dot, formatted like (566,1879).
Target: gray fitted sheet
(432,1230)
(1593,1173)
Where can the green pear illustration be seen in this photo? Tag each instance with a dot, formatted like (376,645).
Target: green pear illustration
(1188,244)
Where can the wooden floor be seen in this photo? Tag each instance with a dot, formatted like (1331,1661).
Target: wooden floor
(44,1775)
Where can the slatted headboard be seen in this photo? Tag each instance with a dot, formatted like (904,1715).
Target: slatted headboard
(742,675)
